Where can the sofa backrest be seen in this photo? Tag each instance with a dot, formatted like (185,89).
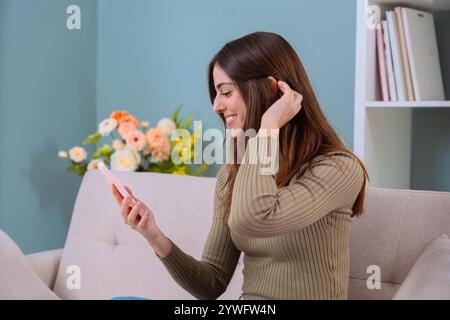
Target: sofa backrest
(396,226)
(114,260)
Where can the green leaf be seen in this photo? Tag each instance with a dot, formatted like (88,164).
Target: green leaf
(187,122)
(176,114)
(93,138)
(200,169)
(106,150)
(79,169)
(70,169)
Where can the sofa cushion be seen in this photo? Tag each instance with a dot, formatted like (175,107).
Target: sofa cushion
(46,264)
(17,278)
(429,277)
(395,228)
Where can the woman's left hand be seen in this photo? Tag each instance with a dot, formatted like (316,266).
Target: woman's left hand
(283,110)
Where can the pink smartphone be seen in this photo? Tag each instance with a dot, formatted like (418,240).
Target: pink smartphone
(112,179)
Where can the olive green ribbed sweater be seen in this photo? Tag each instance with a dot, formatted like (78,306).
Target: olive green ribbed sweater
(294,239)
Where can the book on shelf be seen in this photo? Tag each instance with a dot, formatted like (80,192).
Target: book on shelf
(423,54)
(382,70)
(396,55)
(408,59)
(404,55)
(390,67)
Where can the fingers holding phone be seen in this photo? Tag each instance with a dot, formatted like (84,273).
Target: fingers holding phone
(138,216)
(117,195)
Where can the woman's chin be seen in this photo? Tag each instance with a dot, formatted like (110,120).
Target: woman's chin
(235,131)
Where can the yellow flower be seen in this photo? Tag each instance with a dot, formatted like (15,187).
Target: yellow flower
(105,149)
(181,170)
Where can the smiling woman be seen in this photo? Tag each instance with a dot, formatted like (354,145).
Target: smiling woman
(252,64)
(228,101)
(292,225)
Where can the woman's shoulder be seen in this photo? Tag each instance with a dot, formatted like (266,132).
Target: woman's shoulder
(341,161)
(221,180)
(344,157)
(222,174)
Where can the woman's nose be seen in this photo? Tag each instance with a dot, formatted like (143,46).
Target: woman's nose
(218,106)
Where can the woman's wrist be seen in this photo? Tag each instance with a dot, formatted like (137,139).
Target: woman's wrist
(268,127)
(268,131)
(160,244)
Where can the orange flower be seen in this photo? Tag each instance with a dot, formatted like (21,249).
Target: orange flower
(158,144)
(136,140)
(130,118)
(123,116)
(125,128)
(118,115)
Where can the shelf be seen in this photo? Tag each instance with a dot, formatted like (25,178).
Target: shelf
(385,132)
(429,5)
(408,104)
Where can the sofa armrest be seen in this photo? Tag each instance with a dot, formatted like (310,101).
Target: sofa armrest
(46,264)
(17,277)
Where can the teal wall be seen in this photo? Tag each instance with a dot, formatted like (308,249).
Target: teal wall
(148,57)
(153,55)
(47,103)
(143,56)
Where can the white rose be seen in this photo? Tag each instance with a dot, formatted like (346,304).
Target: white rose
(93,164)
(107,126)
(63,154)
(145,124)
(166,125)
(77,154)
(125,159)
(117,144)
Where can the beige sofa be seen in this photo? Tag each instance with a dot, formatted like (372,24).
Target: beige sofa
(114,260)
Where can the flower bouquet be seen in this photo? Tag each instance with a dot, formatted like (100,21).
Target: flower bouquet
(134,146)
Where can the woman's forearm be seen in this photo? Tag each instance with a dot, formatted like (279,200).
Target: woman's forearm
(161,245)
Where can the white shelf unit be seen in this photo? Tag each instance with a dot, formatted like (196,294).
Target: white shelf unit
(383,130)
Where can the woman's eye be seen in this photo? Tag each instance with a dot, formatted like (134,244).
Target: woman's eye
(226,94)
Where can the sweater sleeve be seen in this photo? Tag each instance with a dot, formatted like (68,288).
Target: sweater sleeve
(260,209)
(209,277)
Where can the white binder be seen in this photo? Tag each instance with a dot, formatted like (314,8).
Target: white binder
(423,54)
(396,55)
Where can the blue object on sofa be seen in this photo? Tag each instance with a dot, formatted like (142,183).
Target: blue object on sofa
(129,298)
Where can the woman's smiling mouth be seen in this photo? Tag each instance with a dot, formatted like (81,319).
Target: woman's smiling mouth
(230,119)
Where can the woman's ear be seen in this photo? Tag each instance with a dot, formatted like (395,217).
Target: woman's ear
(274,82)
(274,87)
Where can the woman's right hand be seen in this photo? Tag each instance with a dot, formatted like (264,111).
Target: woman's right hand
(143,222)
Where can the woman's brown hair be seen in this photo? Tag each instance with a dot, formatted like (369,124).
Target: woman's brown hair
(248,61)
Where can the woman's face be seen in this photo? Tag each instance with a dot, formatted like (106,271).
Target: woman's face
(228,100)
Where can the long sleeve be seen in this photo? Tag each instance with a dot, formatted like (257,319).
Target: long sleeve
(260,209)
(209,277)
